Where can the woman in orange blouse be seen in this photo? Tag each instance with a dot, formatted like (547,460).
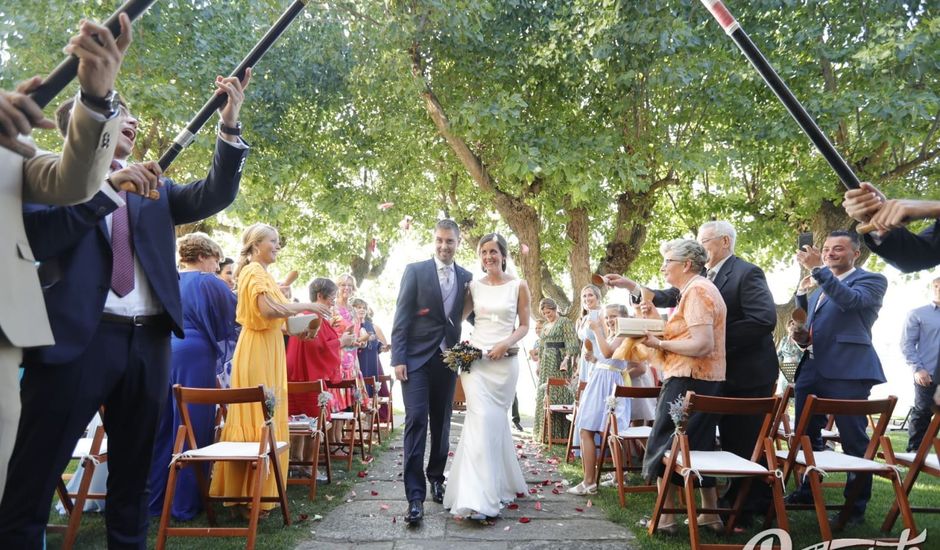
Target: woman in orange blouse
(693,358)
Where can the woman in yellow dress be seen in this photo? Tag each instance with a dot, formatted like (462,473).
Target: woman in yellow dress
(259,358)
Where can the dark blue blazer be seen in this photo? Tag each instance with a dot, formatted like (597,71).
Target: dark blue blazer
(420,323)
(841,326)
(73,245)
(907,251)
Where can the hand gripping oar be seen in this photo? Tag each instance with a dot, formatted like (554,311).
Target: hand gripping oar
(60,77)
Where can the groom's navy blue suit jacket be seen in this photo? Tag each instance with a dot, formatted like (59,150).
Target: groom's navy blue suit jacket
(420,321)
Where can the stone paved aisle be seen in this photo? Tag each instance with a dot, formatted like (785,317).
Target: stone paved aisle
(371,516)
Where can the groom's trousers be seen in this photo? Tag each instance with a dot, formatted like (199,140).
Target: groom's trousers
(428,395)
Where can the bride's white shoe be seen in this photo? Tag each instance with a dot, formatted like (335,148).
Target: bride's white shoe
(582,489)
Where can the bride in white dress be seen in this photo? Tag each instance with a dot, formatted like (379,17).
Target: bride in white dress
(485,474)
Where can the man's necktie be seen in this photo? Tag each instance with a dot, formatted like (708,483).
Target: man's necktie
(122,248)
(711,274)
(447,280)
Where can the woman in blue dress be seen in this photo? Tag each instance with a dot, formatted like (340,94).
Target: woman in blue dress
(607,374)
(370,364)
(209,328)
(590,311)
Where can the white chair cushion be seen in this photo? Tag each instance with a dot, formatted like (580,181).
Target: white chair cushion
(83,447)
(342,416)
(728,464)
(827,434)
(635,432)
(905,459)
(836,462)
(561,408)
(230,449)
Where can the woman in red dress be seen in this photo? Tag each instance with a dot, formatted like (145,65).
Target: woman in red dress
(317,358)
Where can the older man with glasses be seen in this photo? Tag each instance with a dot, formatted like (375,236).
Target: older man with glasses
(752,367)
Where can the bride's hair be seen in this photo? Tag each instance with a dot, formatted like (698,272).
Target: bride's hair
(500,242)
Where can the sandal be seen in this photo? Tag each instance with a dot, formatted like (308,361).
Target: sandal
(716,526)
(670,529)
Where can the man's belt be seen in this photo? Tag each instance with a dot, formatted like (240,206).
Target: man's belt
(159,320)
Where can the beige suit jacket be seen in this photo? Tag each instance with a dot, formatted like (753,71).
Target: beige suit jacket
(48,178)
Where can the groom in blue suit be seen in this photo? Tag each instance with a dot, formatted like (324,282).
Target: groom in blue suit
(112,296)
(428,316)
(840,361)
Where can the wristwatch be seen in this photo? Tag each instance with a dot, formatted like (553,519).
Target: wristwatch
(109,103)
(231,130)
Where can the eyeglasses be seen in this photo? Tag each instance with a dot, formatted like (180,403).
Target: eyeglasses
(667,260)
(703,241)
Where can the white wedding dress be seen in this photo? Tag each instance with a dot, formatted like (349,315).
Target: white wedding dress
(485,473)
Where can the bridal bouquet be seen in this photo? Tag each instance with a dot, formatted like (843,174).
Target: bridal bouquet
(459,357)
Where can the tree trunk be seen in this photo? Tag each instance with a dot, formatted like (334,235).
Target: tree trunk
(579,258)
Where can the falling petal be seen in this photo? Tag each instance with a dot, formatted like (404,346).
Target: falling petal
(538,506)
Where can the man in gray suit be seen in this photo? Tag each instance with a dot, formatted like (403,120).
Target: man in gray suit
(70,178)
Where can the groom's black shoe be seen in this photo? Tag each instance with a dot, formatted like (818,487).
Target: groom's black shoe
(437,492)
(415,512)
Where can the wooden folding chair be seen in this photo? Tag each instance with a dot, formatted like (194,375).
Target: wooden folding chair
(784,426)
(386,401)
(351,433)
(91,451)
(574,440)
(552,410)
(310,432)
(261,458)
(690,464)
(460,400)
(916,463)
(801,458)
(370,413)
(620,440)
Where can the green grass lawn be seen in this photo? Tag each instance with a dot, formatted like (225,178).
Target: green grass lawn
(804,529)
(271,531)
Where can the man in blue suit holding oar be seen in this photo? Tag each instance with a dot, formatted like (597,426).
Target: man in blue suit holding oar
(112,295)
(840,361)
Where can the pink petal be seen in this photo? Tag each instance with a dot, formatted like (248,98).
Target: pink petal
(386,205)
(538,506)
(589,504)
(524,520)
(512,506)
(579,509)
(383,507)
(524,248)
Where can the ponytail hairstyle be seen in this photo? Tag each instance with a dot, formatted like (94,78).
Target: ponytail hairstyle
(500,243)
(250,238)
